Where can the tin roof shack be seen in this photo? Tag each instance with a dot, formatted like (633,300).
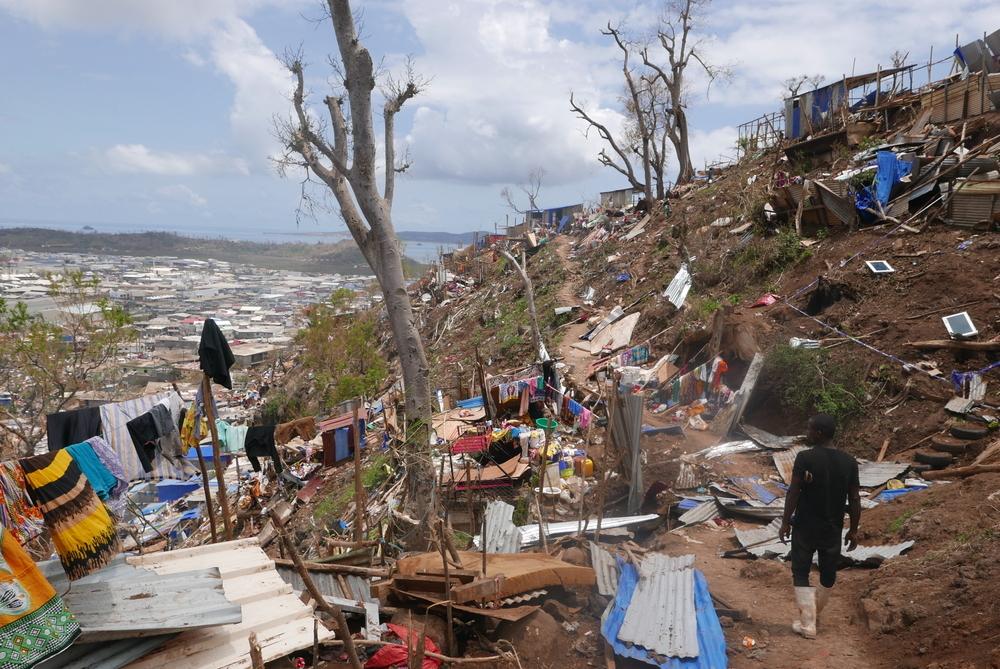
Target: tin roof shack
(829,107)
(617,199)
(553,216)
(252,355)
(338,437)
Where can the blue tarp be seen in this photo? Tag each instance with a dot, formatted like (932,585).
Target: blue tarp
(890,170)
(471,403)
(564,221)
(889,495)
(711,641)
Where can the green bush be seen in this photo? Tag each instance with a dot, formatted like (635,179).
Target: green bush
(764,256)
(807,382)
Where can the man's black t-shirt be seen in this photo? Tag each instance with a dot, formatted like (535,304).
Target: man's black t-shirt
(822,500)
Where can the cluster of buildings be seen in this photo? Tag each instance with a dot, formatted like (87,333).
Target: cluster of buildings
(259,310)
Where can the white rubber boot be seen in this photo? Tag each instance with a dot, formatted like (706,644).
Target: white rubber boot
(822,598)
(806,624)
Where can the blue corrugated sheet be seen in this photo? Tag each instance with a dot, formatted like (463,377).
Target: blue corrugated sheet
(711,640)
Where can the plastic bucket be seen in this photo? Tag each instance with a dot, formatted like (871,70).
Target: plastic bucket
(547,424)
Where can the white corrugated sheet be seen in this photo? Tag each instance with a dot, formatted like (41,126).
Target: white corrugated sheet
(661,616)
(606,570)
(773,547)
(785,460)
(502,535)
(679,286)
(283,624)
(874,474)
(529,533)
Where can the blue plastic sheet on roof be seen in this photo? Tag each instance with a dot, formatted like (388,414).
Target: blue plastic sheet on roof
(564,221)
(471,403)
(711,641)
(890,170)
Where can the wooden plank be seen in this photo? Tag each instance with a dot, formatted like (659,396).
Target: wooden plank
(484,588)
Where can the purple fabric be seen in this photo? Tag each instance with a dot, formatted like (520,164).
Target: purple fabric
(113,463)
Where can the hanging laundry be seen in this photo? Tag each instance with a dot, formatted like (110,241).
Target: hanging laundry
(114,428)
(82,530)
(113,463)
(17,513)
(142,429)
(260,444)
(99,477)
(34,622)
(214,355)
(231,437)
(169,437)
(72,427)
(195,425)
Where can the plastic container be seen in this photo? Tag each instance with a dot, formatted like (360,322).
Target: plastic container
(566,467)
(583,466)
(547,424)
(551,477)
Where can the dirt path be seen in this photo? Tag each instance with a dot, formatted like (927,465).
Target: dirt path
(577,360)
(763,588)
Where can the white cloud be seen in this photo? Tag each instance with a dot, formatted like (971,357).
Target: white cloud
(5,169)
(137,158)
(263,86)
(712,146)
(182,193)
(193,57)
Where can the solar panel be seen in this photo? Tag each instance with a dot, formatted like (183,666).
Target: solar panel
(960,325)
(879,266)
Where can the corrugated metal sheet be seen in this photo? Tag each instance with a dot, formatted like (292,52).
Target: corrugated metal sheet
(626,429)
(687,477)
(711,641)
(122,601)
(661,615)
(768,440)
(105,654)
(502,535)
(606,569)
(529,533)
(526,597)
(679,287)
(873,474)
(728,448)
(773,547)
(636,230)
(841,207)
(358,588)
(283,624)
(785,460)
(702,513)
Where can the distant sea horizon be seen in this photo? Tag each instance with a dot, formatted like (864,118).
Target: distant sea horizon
(421,251)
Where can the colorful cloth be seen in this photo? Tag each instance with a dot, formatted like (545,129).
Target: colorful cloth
(114,421)
(17,514)
(34,622)
(113,464)
(82,530)
(99,477)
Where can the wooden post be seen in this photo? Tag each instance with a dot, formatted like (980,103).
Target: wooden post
(359,491)
(256,657)
(878,86)
(206,384)
(603,484)
(930,62)
(539,501)
(208,492)
(343,631)
(449,631)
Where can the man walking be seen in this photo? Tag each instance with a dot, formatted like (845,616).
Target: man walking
(823,480)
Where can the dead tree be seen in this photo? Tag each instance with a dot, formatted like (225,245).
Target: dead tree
(529,296)
(531,188)
(794,84)
(676,36)
(345,164)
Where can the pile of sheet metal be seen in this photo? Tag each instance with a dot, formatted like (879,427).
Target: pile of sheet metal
(662,612)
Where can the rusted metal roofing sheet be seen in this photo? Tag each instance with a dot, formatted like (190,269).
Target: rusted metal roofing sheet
(873,474)
(768,440)
(104,654)
(283,624)
(605,568)
(785,460)
(661,616)
(358,589)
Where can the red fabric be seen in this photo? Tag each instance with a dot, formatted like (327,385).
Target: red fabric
(765,300)
(395,656)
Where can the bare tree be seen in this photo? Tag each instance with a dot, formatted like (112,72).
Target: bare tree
(677,35)
(653,105)
(530,188)
(347,166)
(794,84)
(529,296)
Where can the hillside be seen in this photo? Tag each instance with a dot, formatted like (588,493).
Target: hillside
(340,258)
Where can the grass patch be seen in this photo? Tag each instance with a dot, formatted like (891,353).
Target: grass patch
(807,382)
(897,523)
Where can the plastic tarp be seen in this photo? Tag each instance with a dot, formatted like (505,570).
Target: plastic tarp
(396,656)
(711,641)
(890,170)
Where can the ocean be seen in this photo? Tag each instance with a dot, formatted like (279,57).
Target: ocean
(425,252)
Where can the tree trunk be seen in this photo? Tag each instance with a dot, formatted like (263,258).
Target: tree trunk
(685,171)
(529,296)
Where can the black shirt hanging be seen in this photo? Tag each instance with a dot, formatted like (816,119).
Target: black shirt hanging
(214,354)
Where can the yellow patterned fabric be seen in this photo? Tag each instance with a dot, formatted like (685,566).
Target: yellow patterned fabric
(82,530)
(34,622)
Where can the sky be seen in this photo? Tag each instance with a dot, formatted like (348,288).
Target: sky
(129,115)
